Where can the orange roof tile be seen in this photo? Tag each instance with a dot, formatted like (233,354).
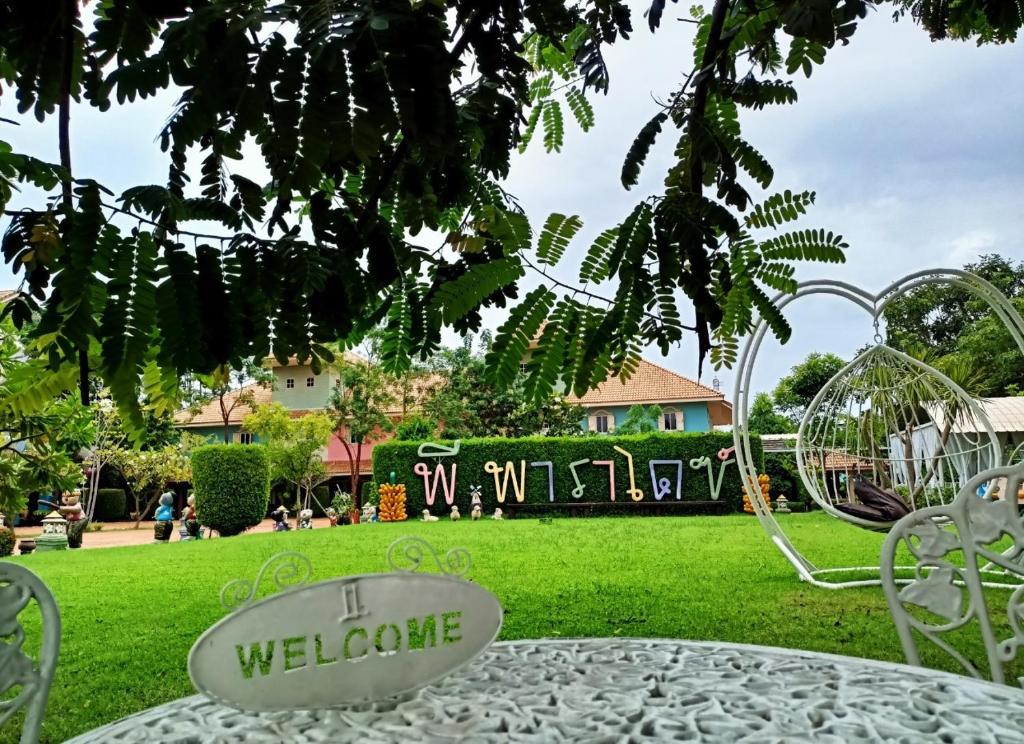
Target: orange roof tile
(650,384)
(210,415)
(6,294)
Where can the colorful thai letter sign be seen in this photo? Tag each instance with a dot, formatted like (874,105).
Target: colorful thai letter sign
(447,485)
(501,482)
(343,641)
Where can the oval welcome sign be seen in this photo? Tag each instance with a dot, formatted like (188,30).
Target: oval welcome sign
(349,640)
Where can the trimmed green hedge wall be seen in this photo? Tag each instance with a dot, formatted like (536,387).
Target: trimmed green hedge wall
(401,457)
(111,505)
(232,486)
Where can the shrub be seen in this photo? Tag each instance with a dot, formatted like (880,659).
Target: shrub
(6,541)
(232,486)
(111,505)
(342,502)
(368,492)
(561,451)
(415,428)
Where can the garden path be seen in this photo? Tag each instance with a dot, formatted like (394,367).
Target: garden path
(117,534)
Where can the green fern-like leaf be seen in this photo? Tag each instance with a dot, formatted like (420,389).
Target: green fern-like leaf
(803,55)
(396,337)
(514,335)
(806,245)
(640,149)
(595,264)
(555,236)
(779,209)
(581,109)
(554,127)
(457,297)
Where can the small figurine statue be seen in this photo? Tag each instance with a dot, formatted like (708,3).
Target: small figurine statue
(428,517)
(455,516)
(497,514)
(306,519)
(369,514)
(190,520)
(164,524)
(332,516)
(71,509)
(477,512)
(280,517)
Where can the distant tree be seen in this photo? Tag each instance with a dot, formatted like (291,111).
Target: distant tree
(231,389)
(640,420)
(415,427)
(950,321)
(295,447)
(360,405)
(147,472)
(795,391)
(765,419)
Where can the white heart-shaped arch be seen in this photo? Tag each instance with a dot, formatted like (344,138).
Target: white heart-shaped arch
(874,305)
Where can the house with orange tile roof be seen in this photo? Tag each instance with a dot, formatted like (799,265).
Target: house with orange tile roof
(685,405)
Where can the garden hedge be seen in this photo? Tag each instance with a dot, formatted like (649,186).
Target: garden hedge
(6,541)
(232,486)
(401,457)
(111,505)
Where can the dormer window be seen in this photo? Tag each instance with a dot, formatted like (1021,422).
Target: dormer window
(310,381)
(289,383)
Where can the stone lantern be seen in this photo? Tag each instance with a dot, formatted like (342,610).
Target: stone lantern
(782,505)
(55,533)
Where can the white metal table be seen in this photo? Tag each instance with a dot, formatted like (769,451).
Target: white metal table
(619,690)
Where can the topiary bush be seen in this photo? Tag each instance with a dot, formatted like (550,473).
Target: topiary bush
(401,457)
(232,486)
(111,505)
(6,541)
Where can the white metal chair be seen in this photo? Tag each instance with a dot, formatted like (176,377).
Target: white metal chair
(18,586)
(962,551)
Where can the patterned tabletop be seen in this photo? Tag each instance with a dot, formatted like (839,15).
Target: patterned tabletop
(619,690)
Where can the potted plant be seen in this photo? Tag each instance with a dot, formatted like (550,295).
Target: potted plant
(342,503)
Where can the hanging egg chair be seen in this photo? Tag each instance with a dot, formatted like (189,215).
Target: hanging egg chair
(889,434)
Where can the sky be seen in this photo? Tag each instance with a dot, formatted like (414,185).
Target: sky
(913,148)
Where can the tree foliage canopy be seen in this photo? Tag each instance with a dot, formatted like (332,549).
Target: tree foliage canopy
(953,323)
(375,121)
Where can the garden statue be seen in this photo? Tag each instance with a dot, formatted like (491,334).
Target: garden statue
(306,519)
(477,512)
(190,520)
(369,514)
(455,516)
(474,496)
(164,518)
(280,517)
(428,517)
(332,516)
(71,509)
(782,504)
(498,514)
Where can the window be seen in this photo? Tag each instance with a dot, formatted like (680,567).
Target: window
(601,424)
(522,368)
(670,422)
(289,383)
(310,381)
(244,437)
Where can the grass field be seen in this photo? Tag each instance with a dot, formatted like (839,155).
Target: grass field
(131,614)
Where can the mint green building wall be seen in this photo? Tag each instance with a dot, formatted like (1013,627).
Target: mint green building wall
(215,434)
(302,397)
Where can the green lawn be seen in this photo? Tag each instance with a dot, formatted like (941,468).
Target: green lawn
(131,614)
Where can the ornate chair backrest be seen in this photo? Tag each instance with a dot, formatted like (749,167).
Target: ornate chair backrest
(962,551)
(23,683)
